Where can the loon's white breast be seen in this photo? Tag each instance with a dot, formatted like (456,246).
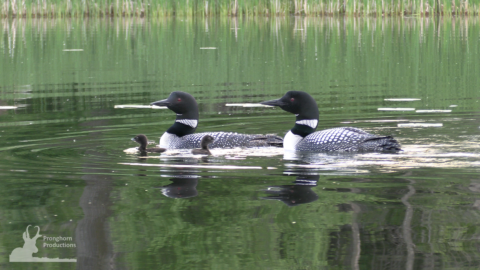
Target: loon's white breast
(291,140)
(167,139)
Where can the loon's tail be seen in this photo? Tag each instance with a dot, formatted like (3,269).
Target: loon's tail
(382,144)
(266,140)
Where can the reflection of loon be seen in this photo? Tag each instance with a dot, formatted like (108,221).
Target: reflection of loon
(299,193)
(302,136)
(182,187)
(181,134)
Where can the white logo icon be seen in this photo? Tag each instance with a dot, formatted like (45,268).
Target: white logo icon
(24,254)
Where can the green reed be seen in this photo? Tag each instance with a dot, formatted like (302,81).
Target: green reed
(207,8)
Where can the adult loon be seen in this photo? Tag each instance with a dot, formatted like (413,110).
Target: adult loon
(302,136)
(206,140)
(142,140)
(181,134)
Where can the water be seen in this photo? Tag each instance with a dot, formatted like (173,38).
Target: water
(62,165)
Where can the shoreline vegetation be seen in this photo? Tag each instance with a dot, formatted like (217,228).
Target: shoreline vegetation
(235,8)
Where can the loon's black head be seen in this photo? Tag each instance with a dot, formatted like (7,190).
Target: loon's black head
(297,102)
(183,104)
(303,106)
(142,140)
(186,108)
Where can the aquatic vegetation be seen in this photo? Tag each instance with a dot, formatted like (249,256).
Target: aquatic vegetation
(161,8)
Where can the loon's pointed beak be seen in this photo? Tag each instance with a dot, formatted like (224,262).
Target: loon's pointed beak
(163,102)
(133,139)
(273,102)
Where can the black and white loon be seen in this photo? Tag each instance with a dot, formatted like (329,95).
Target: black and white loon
(302,137)
(181,134)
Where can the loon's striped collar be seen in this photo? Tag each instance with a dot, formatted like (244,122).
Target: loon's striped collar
(308,122)
(189,122)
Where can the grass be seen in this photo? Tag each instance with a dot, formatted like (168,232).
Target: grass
(163,8)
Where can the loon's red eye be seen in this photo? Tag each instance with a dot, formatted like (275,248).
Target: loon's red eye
(292,99)
(179,99)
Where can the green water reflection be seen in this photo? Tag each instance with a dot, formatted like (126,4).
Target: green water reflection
(62,165)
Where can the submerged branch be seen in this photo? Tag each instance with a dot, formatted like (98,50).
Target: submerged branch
(407,227)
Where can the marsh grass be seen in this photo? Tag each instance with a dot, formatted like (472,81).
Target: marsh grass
(207,8)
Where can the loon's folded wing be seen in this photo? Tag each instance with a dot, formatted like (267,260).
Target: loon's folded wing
(347,139)
(266,140)
(382,144)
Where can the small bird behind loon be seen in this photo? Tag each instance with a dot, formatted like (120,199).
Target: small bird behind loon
(143,141)
(181,134)
(302,137)
(206,140)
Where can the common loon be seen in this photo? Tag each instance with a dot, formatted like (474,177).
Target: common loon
(181,134)
(302,136)
(142,140)
(206,140)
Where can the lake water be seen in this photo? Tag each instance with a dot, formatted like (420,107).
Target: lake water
(63,168)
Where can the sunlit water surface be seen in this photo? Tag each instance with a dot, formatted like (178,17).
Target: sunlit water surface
(63,166)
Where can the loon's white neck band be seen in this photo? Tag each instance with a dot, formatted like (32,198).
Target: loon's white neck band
(189,122)
(305,182)
(308,122)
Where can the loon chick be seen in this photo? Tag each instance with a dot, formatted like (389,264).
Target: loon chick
(181,135)
(142,140)
(302,136)
(206,140)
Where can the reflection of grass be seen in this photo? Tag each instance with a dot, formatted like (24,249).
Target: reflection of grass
(327,48)
(162,8)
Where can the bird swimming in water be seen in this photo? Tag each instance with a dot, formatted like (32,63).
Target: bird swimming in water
(143,141)
(181,135)
(206,140)
(302,137)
